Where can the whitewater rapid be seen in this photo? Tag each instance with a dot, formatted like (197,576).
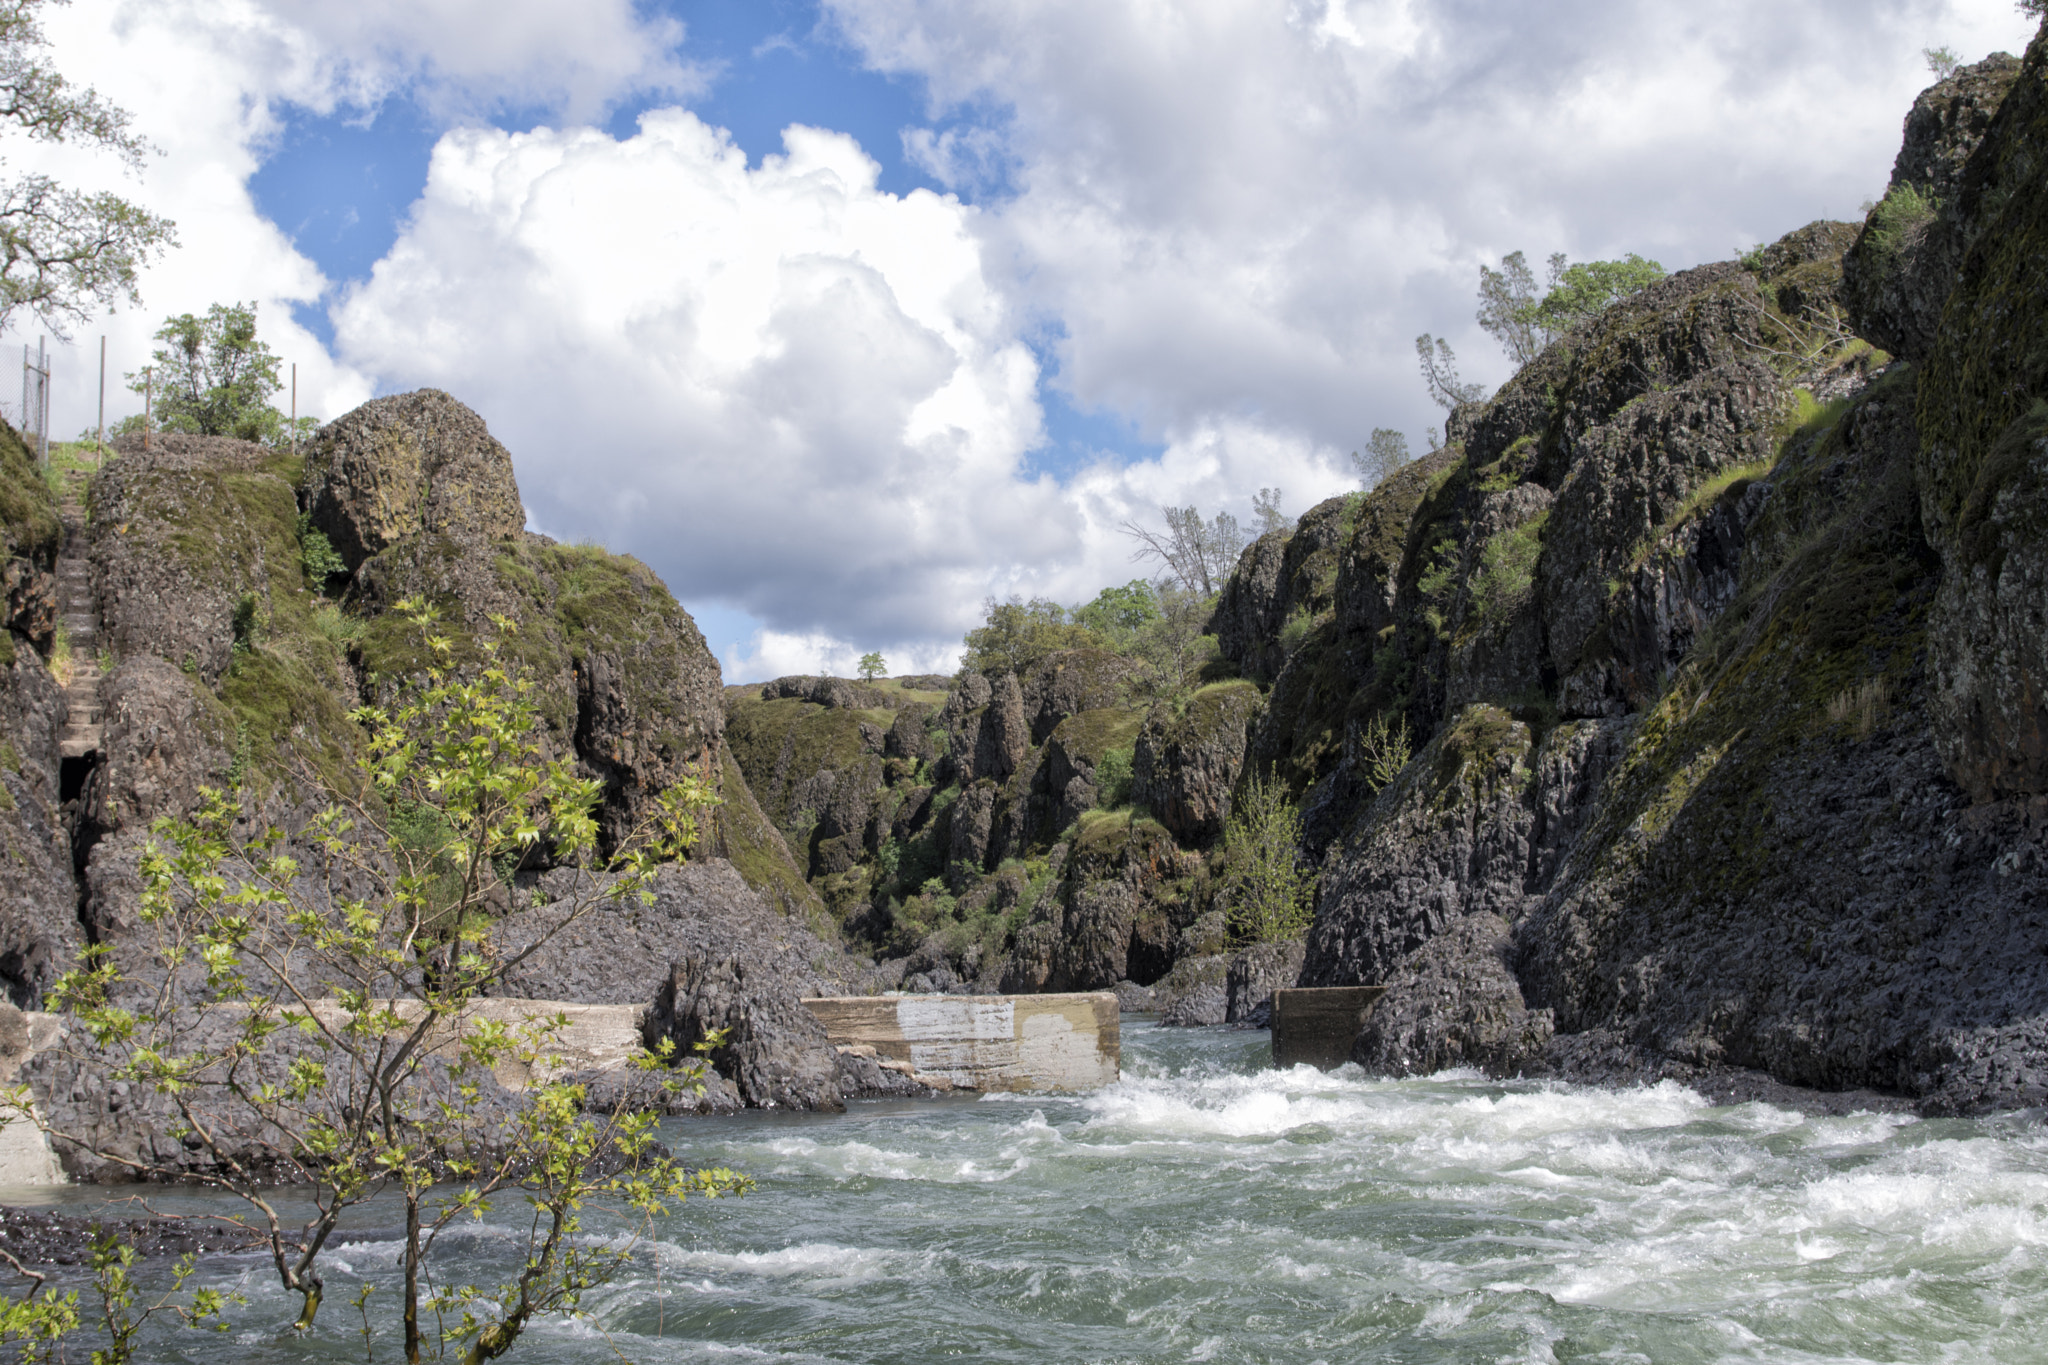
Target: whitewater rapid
(1208,1208)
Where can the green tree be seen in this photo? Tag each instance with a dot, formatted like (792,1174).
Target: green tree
(1170,651)
(1268,894)
(1384,454)
(1942,61)
(1118,614)
(65,254)
(1016,634)
(872,665)
(214,377)
(307,1007)
(1589,288)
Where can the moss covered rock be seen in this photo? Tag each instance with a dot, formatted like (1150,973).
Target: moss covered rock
(1898,276)
(409,465)
(1188,758)
(1983,468)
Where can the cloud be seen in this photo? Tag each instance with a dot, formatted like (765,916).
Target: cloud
(805,399)
(206,81)
(785,389)
(1252,208)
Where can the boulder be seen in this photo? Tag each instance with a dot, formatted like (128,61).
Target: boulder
(1005,734)
(708,953)
(39,926)
(1186,764)
(1194,994)
(1898,276)
(1068,682)
(1982,469)
(1252,976)
(405,466)
(1453,1003)
(181,534)
(1480,822)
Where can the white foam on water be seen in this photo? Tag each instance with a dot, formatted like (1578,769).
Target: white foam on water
(819,1263)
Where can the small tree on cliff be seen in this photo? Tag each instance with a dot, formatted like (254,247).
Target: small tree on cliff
(310,1015)
(1268,894)
(214,376)
(872,665)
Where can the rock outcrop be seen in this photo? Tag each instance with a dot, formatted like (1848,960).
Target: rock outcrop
(1718,634)
(708,953)
(410,465)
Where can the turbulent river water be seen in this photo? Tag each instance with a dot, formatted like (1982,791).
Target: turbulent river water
(1208,1208)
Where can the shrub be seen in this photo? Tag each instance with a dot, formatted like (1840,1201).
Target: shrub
(383,896)
(1113,779)
(1268,896)
(1299,624)
(1900,215)
(1861,707)
(1507,571)
(1383,751)
(322,563)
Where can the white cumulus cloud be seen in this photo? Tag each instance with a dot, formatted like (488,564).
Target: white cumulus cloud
(786,389)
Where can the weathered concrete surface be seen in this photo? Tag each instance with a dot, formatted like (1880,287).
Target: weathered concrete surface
(983,1042)
(1316,1025)
(595,1040)
(26,1157)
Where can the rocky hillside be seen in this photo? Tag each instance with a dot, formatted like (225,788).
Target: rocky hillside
(1683,715)
(243,599)
(1720,631)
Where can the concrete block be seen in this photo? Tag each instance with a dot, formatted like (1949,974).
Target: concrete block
(983,1042)
(1316,1025)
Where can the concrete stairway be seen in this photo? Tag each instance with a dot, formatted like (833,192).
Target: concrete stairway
(80,618)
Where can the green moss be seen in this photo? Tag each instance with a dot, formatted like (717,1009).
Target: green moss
(289,710)
(1468,748)
(28,509)
(2014,465)
(781,744)
(1091,734)
(1989,363)
(751,844)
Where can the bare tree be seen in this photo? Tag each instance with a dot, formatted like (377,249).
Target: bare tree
(1199,554)
(1440,373)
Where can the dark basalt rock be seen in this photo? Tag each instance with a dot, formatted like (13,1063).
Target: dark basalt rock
(708,953)
(1451,1003)
(405,466)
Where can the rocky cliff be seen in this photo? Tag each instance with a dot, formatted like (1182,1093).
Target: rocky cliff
(1723,623)
(228,662)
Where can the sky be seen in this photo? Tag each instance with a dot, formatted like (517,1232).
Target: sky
(845,315)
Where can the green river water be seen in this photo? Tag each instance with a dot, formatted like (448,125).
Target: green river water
(1208,1208)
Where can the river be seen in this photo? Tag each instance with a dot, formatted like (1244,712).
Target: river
(1207,1208)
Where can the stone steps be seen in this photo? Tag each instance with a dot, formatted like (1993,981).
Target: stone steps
(84,726)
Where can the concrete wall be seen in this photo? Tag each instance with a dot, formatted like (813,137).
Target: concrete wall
(595,1038)
(983,1042)
(26,1157)
(1316,1025)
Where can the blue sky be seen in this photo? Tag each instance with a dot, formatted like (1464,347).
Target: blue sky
(1038,268)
